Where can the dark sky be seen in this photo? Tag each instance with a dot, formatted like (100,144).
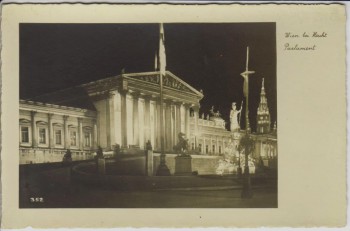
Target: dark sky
(207,56)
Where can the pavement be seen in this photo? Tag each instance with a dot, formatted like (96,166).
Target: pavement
(58,190)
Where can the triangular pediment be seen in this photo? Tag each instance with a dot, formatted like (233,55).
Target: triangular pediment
(170,80)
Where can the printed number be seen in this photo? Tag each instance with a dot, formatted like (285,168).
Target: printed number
(36,199)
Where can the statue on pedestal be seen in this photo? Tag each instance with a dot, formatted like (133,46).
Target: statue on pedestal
(182,146)
(234,117)
(213,113)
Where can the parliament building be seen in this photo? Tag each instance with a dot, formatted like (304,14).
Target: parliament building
(125,110)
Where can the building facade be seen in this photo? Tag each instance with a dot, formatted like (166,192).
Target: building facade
(46,131)
(125,110)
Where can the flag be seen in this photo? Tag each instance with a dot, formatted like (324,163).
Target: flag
(245,76)
(245,85)
(162,58)
(155,61)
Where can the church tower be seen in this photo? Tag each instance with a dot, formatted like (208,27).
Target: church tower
(263,120)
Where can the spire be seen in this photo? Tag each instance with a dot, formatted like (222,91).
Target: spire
(263,117)
(263,85)
(262,88)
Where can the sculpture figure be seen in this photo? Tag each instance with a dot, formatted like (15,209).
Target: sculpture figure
(234,117)
(215,114)
(182,146)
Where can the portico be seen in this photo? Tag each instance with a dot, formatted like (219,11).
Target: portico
(128,109)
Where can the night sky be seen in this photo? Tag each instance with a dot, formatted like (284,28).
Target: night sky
(207,56)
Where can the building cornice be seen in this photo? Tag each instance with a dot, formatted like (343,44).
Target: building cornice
(53,108)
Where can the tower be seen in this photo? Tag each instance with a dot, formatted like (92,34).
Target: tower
(263,120)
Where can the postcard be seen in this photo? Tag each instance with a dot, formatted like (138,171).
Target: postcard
(117,115)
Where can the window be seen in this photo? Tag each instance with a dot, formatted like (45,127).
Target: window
(219,149)
(87,139)
(206,149)
(73,138)
(58,137)
(192,146)
(213,150)
(24,134)
(200,147)
(42,136)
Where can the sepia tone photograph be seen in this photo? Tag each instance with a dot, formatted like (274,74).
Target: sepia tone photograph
(152,115)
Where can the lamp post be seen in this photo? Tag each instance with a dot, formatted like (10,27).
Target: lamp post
(246,141)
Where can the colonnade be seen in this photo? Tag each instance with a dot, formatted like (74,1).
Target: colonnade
(133,118)
(77,122)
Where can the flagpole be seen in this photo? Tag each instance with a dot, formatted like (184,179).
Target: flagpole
(246,192)
(162,170)
(247,128)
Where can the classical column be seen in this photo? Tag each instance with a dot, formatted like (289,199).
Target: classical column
(65,131)
(108,123)
(187,121)
(173,125)
(222,145)
(136,119)
(34,136)
(111,116)
(177,121)
(167,120)
(147,123)
(80,135)
(158,132)
(94,144)
(49,116)
(196,116)
(124,119)
(204,146)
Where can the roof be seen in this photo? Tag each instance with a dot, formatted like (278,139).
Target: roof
(80,96)
(75,97)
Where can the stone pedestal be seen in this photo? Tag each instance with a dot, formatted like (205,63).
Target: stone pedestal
(183,165)
(163,170)
(149,163)
(101,166)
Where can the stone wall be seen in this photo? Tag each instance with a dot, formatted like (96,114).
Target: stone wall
(203,164)
(42,155)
